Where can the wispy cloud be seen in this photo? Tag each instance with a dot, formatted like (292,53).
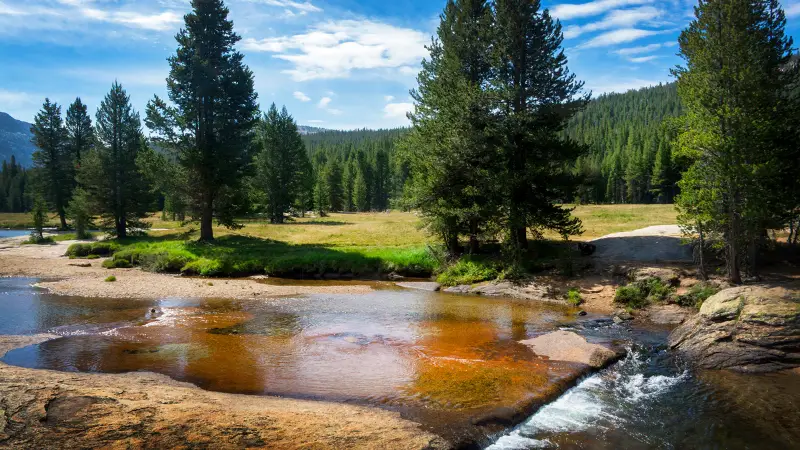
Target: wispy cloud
(616,19)
(597,7)
(643,59)
(397,110)
(324,102)
(619,37)
(641,49)
(335,49)
(301,96)
(793,10)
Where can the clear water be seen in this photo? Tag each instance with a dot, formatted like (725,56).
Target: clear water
(13,233)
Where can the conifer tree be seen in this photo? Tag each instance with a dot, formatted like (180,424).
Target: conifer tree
(281,162)
(538,95)
(52,159)
(737,87)
(215,112)
(110,173)
(79,130)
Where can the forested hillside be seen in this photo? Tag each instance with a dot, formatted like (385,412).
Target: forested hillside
(15,140)
(629,159)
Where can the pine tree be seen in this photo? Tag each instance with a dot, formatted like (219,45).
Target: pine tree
(280,163)
(333,181)
(215,112)
(52,159)
(79,130)
(451,160)
(737,86)
(110,173)
(538,95)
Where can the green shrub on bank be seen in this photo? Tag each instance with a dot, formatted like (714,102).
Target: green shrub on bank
(94,248)
(639,294)
(468,270)
(697,295)
(574,297)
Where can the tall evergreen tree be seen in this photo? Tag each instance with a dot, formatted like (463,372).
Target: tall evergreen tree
(215,112)
(281,162)
(538,95)
(110,173)
(452,163)
(79,130)
(738,86)
(52,159)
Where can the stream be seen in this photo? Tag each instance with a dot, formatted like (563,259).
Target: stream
(439,359)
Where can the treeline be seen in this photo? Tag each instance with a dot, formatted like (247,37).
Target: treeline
(14,187)
(629,158)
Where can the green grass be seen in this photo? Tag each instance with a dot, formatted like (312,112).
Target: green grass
(46,240)
(639,294)
(73,237)
(110,279)
(234,255)
(469,270)
(697,295)
(574,297)
(104,248)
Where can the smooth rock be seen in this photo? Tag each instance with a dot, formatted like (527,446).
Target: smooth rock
(748,329)
(667,276)
(667,314)
(394,276)
(421,285)
(460,289)
(569,346)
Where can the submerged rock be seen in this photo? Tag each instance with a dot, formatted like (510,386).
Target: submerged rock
(748,329)
(569,346)
(421,285)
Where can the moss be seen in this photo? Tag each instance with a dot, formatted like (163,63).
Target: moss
(111,279)
(639,294)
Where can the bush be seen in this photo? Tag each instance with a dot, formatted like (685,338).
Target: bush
(574,297)
(111,279)
(697,295)
(93,257)
(94,248)
(468,271)
(639,294)
(37,239)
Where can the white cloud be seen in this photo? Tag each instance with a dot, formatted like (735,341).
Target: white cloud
(619,37)
(643,59)
(158,22)
(571,11)
(335,49)
(397,110)
(793,10)
(616,19)
(291,6)
(607,85)
(638,50)
(388,98)
(324,102)
(301,96)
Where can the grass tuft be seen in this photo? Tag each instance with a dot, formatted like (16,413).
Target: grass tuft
(697,295)
(639,294)
(468,270)
(105,248)
(111,279)
(574,297)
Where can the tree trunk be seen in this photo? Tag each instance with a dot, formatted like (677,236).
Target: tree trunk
(207,219)
(701,256)
(122,231)
(474,244)
(63,217)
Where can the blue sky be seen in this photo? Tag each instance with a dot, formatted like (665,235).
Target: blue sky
(334,63)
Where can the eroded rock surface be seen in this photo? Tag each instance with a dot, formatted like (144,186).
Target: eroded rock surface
(749,329)
(569,346)
(524,291)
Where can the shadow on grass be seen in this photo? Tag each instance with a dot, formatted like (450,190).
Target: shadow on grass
(238,255)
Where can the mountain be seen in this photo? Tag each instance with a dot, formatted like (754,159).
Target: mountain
(15,139)
(305,129)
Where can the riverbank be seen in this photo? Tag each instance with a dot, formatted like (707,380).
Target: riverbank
(47,409)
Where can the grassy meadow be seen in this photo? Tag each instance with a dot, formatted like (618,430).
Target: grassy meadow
(340,245)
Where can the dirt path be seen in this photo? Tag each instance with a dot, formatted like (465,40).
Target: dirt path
(46,409)
(656,244)
(69,277)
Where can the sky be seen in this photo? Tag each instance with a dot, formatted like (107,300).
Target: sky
(340,64)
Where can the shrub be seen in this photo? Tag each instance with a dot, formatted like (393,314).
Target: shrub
(639,294)
(93,257)
(111,279)
(574,297)
(697,295)
(117,264)
(36,239)
(468,271)
(94,248)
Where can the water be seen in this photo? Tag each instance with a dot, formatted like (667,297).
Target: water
(439,359)
(13,233)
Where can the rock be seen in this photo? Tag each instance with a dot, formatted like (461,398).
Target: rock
(259,277)
(617,320)
(667,314)
(81,265)
(668,276)
(623,315)
(460,289)
(421,285)
(582,313)
(748,329)
(394,276)
(569,346)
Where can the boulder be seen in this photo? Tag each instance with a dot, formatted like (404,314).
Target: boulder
(667,314)
(669,277)
(747,329)
(569,346)
(421,285)
(460,289)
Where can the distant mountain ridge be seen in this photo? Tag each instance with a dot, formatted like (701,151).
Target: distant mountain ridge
(15,140)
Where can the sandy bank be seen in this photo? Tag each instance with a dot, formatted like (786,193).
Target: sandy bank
(46,409)
(67,277)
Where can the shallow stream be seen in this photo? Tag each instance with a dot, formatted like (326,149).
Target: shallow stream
(440,359)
